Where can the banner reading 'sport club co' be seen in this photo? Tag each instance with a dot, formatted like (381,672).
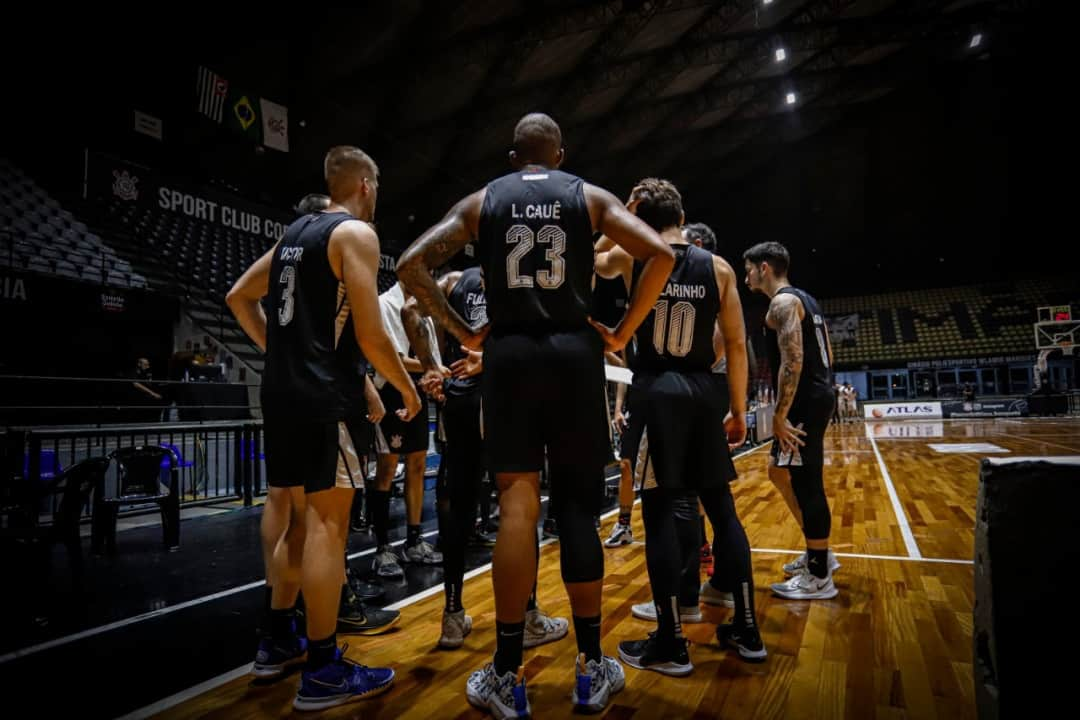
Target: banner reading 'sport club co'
(111,180)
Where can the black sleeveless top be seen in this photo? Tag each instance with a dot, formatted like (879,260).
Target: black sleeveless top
(609,300)
(535,245)
(677,335)
(816,376)
(314,368)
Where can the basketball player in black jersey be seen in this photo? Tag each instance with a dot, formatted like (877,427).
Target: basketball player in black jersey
(688,509)
(323,312)
(801,361)
(683,428)
(702,236)
(353,617)
(462,468)
(543,383)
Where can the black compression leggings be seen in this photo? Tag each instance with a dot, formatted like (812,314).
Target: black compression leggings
(671,544)
(684,508)
(733,570)
(808,484)
(460,475)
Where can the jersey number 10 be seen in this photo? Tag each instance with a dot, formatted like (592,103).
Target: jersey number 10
(678,332)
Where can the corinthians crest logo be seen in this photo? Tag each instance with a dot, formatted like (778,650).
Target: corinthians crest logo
(124,185)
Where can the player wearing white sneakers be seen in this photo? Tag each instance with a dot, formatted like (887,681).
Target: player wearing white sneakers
(801,361)
(543,387)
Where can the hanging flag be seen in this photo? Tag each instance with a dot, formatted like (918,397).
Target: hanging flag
(213,89)
(275,120)
(242,115)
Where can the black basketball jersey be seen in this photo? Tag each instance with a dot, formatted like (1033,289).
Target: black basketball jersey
(535,245)
(609,300)
(816,376)
(468,300)
(677,335)
(314,367)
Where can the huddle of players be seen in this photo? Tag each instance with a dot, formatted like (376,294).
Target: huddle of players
(847,403)
(525,323)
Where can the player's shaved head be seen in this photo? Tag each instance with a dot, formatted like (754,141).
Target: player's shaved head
(537,139)
(344,167)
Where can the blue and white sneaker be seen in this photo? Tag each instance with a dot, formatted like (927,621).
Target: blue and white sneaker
(501,695)
(340,682)
(272,660)
(596,682)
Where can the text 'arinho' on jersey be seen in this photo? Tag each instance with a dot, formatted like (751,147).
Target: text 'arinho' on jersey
(677,334)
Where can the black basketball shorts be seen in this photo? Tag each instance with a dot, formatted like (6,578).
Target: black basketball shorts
(543,395)
(812,414)
(679,418)
(392,435)
(317,455)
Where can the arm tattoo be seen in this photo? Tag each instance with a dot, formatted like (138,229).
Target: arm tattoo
(433,249)
(416,329)
(785,316)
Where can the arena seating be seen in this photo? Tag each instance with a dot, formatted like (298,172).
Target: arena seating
(194,257)
(41,236)
(146,248)
(957,322)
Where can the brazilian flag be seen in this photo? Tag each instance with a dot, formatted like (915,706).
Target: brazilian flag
(242,115)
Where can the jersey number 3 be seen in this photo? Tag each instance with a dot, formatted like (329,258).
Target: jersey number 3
(522,238)
(288,279)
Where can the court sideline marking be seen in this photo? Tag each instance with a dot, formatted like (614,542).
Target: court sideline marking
(898,509)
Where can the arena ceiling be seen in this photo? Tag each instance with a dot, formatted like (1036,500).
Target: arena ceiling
(696,91)
(685,89)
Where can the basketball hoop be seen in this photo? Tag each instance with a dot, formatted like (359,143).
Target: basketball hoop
(1057,335)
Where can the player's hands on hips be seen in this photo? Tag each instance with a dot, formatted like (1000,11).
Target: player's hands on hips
(412,404)
(469,366)
(475,339)
(735,427)
(789,437)
(612,341)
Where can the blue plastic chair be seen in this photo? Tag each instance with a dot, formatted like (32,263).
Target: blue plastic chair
(50,465)
(181,462)
(166,467)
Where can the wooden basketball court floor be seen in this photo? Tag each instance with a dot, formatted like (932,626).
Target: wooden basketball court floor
(895,643)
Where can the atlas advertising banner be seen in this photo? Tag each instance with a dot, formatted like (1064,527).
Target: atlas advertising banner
(1006,407)
(109,178)
(903,411)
